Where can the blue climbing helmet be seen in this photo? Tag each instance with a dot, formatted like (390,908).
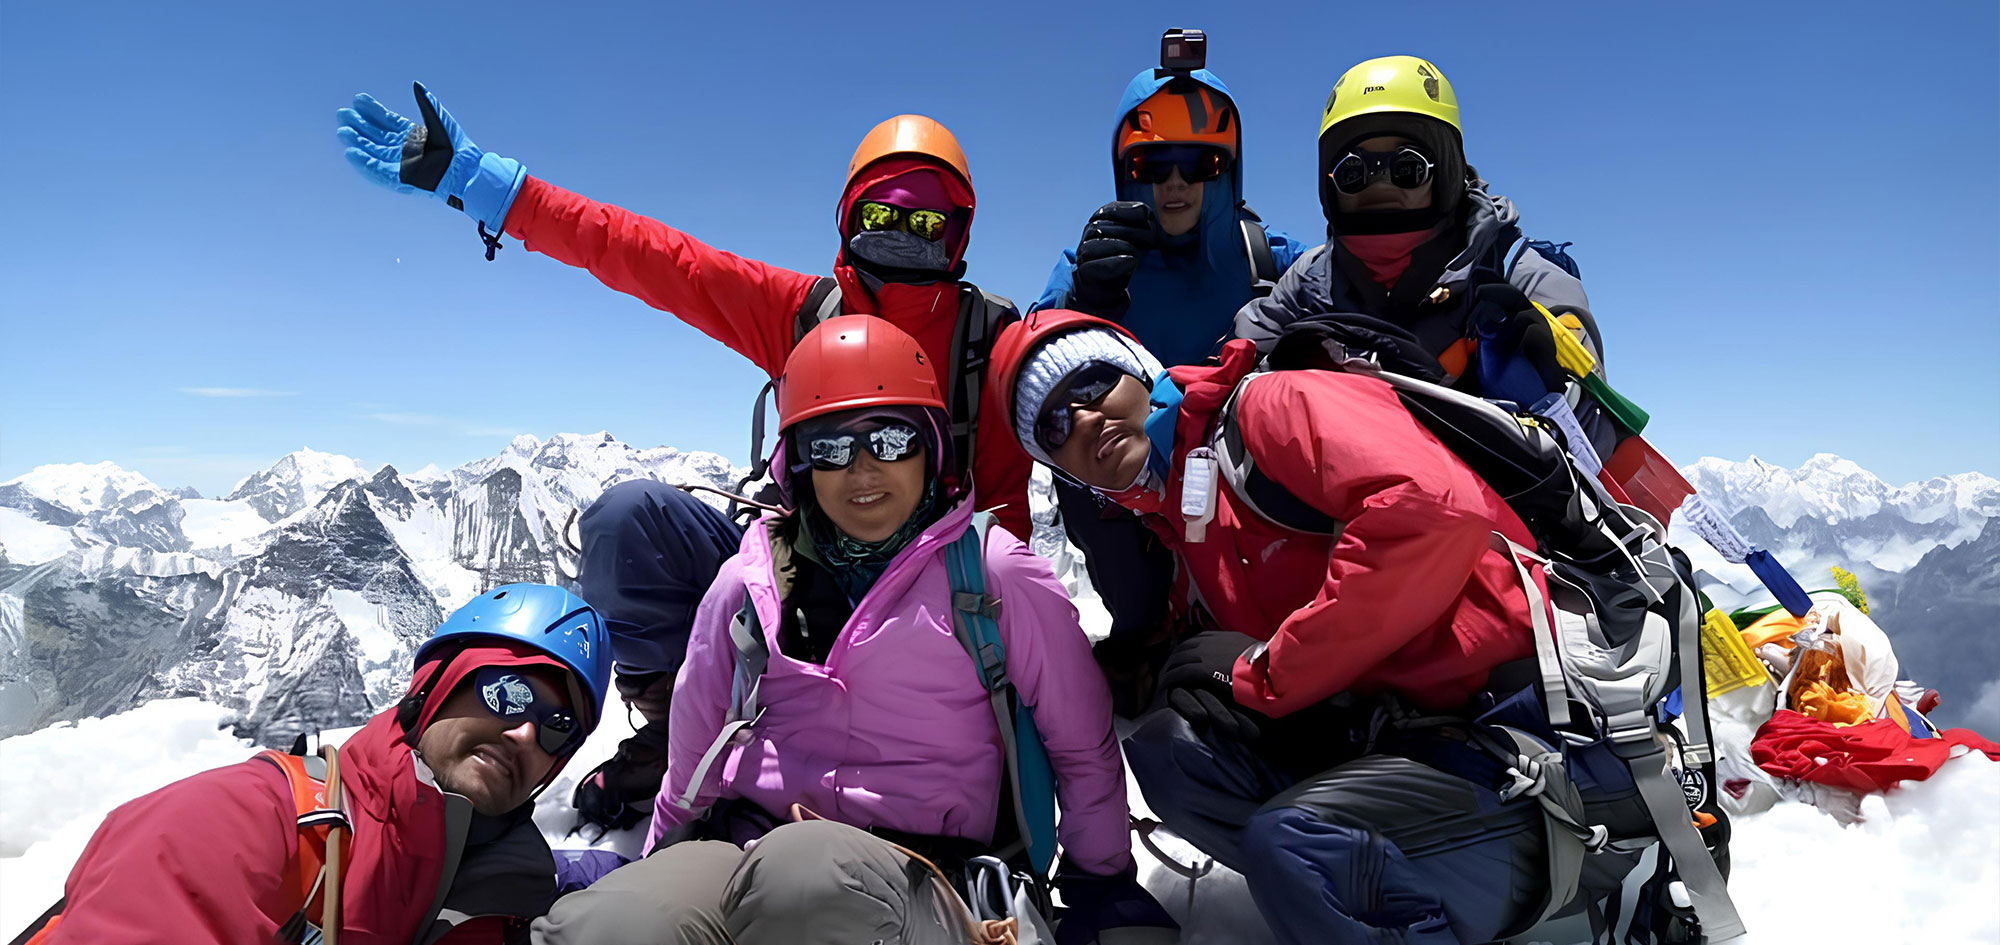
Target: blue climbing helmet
(549,619)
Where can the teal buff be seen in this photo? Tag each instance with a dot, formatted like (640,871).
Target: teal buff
(1166,403)
(856,564)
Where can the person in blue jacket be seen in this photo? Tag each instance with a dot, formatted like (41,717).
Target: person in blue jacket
(1172,259)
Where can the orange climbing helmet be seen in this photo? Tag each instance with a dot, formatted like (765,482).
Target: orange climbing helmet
(1183,111)
(913,136)
(852,361)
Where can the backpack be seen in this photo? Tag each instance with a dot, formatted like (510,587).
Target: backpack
(1616,638)
(981,315)
(1030,790)
(1550,250)
(314,877)
(1264,271)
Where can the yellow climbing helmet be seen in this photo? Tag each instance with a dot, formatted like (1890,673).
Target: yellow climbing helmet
(1391,84)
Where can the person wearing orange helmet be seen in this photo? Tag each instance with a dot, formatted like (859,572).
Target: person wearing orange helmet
(830,710)
(904,219)
(1171,259)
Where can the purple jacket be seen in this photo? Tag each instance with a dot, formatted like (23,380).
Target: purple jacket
(895,731)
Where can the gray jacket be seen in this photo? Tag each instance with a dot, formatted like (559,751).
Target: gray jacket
(1439,311)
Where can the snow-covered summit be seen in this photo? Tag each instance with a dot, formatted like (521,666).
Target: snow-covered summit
(75,490)
(296,481)
(1836,490)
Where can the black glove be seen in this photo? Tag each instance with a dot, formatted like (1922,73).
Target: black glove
(1131,666)
(1504,314)
(1112,241)
(619,793)
(1094,904)
(1198,686)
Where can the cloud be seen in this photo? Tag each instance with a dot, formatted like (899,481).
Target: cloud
(236,392)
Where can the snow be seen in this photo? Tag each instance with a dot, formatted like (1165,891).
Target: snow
(220,524)
(82,487)
(315,472)
(364,621)
(58,783)
(1921,867)
(23,540)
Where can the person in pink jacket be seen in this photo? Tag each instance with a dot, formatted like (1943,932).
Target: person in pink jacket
(870,740)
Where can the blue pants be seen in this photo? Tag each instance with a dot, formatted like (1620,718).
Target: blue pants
(650,551)
(1383,848)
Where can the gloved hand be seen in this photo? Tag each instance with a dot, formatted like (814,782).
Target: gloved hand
(1094,904)
(436,157)
(1112,241)
(619,793)
(1517,347)
(1197,680)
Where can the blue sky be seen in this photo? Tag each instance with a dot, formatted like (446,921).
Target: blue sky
(1786,214)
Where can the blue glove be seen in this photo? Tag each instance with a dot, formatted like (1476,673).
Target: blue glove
(1094,904)
(436,157)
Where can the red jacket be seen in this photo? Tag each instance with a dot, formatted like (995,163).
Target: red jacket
(1408,599)
(752,306)
(203,860)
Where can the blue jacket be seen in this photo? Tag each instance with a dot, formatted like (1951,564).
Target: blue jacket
(1184,296)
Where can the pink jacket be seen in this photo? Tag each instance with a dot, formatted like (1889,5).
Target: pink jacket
(895,731)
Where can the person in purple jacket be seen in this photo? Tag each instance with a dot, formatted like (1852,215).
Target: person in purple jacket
(869,740)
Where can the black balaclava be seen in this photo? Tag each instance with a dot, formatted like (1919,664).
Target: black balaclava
(1439,140)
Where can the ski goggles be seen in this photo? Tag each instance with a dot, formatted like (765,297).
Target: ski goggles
(928,224)
(833,450)
(1085,386)
(507,694)
(1407,168)
(1153,164)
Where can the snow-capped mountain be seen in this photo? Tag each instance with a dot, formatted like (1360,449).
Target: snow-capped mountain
(298,599)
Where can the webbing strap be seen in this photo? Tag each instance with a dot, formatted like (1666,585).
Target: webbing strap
(699,775)
(1548,653)
(1667,806)
(753,656)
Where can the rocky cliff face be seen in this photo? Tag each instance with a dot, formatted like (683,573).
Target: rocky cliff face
(298,600)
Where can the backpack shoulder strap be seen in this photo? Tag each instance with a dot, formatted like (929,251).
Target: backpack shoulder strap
(822,302)
(981,315)
(305,775)
(975,622)
(753,656)
(1269,500)
(1257,248)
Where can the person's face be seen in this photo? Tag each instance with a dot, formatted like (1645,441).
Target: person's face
(870,499)
(1381,194)
(1107,444)
(494,763)
(1177,203)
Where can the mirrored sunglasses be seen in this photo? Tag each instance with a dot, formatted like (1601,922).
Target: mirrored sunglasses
(838,449)
(507,694)
(928,224)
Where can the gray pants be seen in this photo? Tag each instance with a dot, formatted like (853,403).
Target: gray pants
(803,883)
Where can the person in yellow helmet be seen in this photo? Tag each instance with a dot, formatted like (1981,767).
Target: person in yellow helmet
(1416,240)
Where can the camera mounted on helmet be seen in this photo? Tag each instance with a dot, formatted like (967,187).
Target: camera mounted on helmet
(1182,51)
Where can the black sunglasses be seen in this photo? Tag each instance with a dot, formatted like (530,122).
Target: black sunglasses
(506,693)
(1153,164)
(832,450)
(1407,168)
(1085,386)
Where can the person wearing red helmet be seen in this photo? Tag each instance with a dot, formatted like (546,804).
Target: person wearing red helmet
(830,712)
(904,218)
(1394,592)
(434,796)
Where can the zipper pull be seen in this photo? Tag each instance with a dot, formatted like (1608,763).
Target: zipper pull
(1198,492)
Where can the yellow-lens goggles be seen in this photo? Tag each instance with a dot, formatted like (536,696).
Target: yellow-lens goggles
(928,224)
